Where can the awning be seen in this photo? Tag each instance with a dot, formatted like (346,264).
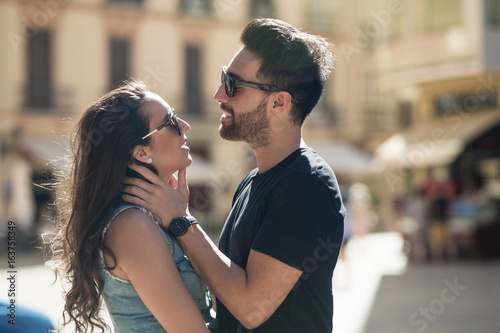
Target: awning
(345,158)
(437,142)
(44,152)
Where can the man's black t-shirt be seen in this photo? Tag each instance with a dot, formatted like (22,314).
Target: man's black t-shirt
(293,213)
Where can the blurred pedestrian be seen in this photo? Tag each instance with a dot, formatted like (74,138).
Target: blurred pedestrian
(439,192)
(463,221)
(414,225)
(360,209)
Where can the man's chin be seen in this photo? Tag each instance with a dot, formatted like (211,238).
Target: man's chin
(228,135)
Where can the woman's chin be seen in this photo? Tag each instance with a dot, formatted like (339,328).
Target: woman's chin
(189,161)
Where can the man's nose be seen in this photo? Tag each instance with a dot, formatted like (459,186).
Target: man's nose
(220,95)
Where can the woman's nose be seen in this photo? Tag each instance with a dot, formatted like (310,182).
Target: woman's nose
(184,125)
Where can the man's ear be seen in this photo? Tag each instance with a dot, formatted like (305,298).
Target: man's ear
(282,101)
(140,153)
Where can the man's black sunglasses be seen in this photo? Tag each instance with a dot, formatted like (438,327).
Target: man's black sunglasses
(172,120)
(230,82)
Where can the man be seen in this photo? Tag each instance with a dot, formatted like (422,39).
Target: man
(279,246)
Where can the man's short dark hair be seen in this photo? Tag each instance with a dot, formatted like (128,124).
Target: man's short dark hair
(296,61)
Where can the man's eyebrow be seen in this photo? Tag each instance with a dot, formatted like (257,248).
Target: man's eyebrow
(234,75)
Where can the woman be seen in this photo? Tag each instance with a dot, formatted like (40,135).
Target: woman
(116,251)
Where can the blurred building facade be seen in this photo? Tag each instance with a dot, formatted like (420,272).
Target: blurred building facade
(408,74)
(58,56)
(437,72)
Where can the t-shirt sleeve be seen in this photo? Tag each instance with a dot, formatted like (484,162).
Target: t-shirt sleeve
(303,220)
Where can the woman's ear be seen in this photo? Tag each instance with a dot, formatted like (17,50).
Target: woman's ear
(140,153)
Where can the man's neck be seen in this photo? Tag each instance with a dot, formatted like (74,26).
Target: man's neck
(272,154)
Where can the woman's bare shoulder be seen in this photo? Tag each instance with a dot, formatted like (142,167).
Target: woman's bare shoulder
(134,233)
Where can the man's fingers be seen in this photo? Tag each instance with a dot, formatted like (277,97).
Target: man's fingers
(148,174)
(137,192)
(182,180)
(173,181)
(135,181)
(134,200)
(139,183)
(166,198)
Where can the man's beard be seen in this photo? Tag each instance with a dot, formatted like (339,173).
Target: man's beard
(251,127)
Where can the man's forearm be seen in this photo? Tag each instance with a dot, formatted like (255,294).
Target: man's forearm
(251,294)
(225,279)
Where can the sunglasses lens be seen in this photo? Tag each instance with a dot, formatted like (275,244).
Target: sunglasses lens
(176,124)
(228,84)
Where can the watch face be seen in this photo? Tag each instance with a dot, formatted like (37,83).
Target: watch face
(179,226)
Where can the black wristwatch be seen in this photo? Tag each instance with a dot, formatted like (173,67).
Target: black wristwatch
(179,226)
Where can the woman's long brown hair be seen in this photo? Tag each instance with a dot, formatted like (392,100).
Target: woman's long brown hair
(101,145)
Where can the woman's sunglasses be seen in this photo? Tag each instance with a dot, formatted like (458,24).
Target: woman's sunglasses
(172,120)
(230,83)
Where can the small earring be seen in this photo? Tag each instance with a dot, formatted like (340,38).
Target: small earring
(149,160)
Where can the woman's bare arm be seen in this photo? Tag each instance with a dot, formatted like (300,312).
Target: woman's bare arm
(143,255)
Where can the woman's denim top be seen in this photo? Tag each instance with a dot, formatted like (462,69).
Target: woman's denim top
(127,311)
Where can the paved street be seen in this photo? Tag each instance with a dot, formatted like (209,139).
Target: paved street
(385,294)
(376,291)
(439,298)
(357,278)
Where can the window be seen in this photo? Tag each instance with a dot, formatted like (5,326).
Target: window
(119,61)
(437,14)
(39,78)
(197,7)
(405,114)
(493,13)
(44,199)
(373,102)
(261,8)
(376,118)
(193,95)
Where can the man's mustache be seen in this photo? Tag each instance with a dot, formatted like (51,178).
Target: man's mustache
(226,108)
